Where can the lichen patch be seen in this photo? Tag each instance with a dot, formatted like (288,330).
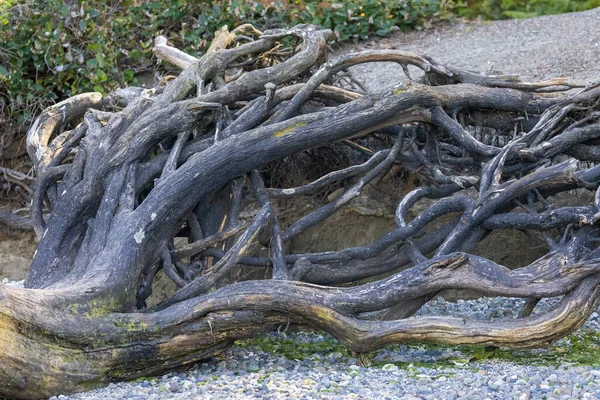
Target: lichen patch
(139,236)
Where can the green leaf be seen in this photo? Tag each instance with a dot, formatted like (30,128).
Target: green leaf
(128,75)
(3,72)
(98,89)
(100,59)
(82,24)
(92,63)
(93,46)
(135,54)
(101,75)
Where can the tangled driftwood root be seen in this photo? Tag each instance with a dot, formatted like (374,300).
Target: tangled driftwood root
(139,168)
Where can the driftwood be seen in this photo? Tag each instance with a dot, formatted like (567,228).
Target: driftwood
(129,172)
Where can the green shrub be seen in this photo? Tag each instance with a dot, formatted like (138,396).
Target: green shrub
(51,49)
(505,9)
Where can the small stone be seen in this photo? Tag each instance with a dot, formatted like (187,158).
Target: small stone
(400,358)
(433,353)
(381,357)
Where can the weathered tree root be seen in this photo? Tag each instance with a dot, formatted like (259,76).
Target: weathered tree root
(123,175)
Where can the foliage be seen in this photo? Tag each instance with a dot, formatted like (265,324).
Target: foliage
(504,9)
(294,350)
(52,49)
(581,348)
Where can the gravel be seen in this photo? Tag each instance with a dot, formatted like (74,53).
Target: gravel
(566,45)
(543,47)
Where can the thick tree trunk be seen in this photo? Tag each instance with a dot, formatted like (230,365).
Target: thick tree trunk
(135,169)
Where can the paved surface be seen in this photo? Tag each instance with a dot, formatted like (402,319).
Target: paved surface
(566,45)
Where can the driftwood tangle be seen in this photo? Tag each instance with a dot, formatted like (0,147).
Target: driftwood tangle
(122,175)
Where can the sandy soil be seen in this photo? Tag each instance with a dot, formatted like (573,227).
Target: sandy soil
(16,252)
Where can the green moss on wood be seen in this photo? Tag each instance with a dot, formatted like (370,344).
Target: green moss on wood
(289,130)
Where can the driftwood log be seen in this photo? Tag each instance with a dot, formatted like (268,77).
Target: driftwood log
(120,176)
